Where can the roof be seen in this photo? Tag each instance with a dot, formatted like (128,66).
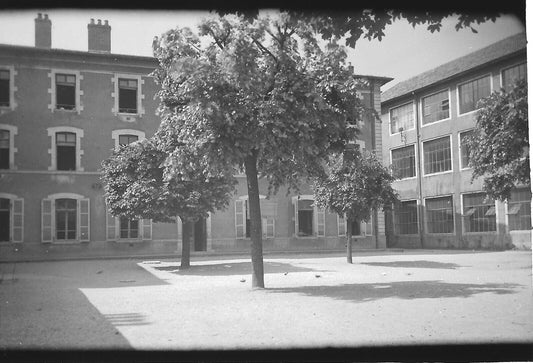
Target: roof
(381,80)
(494,52)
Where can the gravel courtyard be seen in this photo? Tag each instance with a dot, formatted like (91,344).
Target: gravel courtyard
(310,301)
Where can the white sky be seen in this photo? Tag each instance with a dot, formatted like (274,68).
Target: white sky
(402,53)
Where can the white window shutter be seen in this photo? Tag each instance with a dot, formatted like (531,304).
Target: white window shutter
(263,227)
(47,220)
(341,225)
(320,222)
(84,219)
(296,226)
(18,220)
(111,226)
(146,229)
(239,219)
(270,227)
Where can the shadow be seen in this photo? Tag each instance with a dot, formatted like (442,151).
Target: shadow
(414,264)
(407,290)
(126,319)
(234,268)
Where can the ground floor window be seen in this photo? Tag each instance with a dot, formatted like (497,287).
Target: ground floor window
(242,217)
(11,218)
(406,217)
(5,220)
(439,212)
(309,220)
(129,228)
(124,228)
(519,209)
(358,228)
(65,217)
(479,213)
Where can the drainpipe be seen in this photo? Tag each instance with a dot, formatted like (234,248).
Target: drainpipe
(419,173)
(373,135)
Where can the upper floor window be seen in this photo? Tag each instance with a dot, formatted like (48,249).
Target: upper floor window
(465,150)
(126,136)
(513,74)
(65,91)
(403,161)
(66,150)
(519,209)
(127,139)
(401,118)
(437,156)
(5,88)
(435,107)
(479,213)
(473,91)
(127,95)
(406,217)
(4,149)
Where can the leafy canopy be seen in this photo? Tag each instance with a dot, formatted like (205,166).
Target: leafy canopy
(499,145)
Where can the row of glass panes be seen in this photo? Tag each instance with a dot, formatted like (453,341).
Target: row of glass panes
(478,213)
(66,92)
(436,107)
(437,157)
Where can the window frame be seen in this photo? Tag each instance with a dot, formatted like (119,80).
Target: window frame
(264,219)
(12,88)
(496,216)
(417,218)
(458,98)
(316,212)
(13,130)
(416,159)
(79,225)
(52,131)
(116,94)
(509,67)
(421,107)
(412,103)
(461,166)
(426,219)
(115,135)
(52,106)
(12,200)
(363,227)
(516,231)
(422,154)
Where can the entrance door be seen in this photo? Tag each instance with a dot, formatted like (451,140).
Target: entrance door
(4,219)
(200,235)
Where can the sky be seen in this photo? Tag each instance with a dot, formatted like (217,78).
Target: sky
(403,53)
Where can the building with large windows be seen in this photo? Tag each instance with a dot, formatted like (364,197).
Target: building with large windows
(425,120)
(62,112)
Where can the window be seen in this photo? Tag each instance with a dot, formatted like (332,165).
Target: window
(65,217)
(471,92)
(401,118)
(406,217)
(127,139)
(126,136)
(437,156)
(479,213)
(5,94)
(358,228)
(309,220)
(519,209)
(5,220)
(465,150)
(242,217)
(127,95)
(403,161)
(513,74)
(66,150)
(5,142)
(439,213)
(65,91)
(435,107)
(11,218)
(129,228)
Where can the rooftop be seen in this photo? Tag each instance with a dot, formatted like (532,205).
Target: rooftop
(501,49)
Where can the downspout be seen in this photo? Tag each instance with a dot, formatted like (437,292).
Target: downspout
(419,174)
(373,143)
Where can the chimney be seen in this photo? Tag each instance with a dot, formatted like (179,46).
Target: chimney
(43,31)
(99,36)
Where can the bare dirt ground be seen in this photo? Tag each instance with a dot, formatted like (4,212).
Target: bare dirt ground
(310,301)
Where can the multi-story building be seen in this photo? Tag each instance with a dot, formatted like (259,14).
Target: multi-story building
(425,120)
(62,112)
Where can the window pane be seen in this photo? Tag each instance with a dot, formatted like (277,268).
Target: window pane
(129,228)
(65,97)
(440,215)
(127,139)
(401,118)
(437,156)
(406,217)
(519,210)
(4,88)
(470,93)
(513,74)
(66,79)
(4,139)
(66,139)
(66,213)
(403,161)
(435,107)
(305,222)
(127,101)
(465,150)
(478,214)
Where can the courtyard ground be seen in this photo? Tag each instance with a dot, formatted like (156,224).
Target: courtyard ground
(310,301)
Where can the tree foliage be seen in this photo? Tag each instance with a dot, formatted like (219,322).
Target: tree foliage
(499,145)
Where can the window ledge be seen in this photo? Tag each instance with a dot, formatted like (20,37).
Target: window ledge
(67,242)
(439,173)
(5,109)
(65,110)
(127,241)
(479,233)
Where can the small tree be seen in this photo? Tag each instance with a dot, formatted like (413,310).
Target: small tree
(141,180)
(499,145)
(356,184)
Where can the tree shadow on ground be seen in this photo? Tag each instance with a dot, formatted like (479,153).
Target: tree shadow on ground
(414,264)
(234,268)
(408,290)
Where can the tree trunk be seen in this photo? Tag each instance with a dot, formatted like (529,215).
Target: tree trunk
(250,166)
(186,234)
(349,241)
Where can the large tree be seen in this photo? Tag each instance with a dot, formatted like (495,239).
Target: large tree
(147,180)
(499,146)
(356,183)
(261,95)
